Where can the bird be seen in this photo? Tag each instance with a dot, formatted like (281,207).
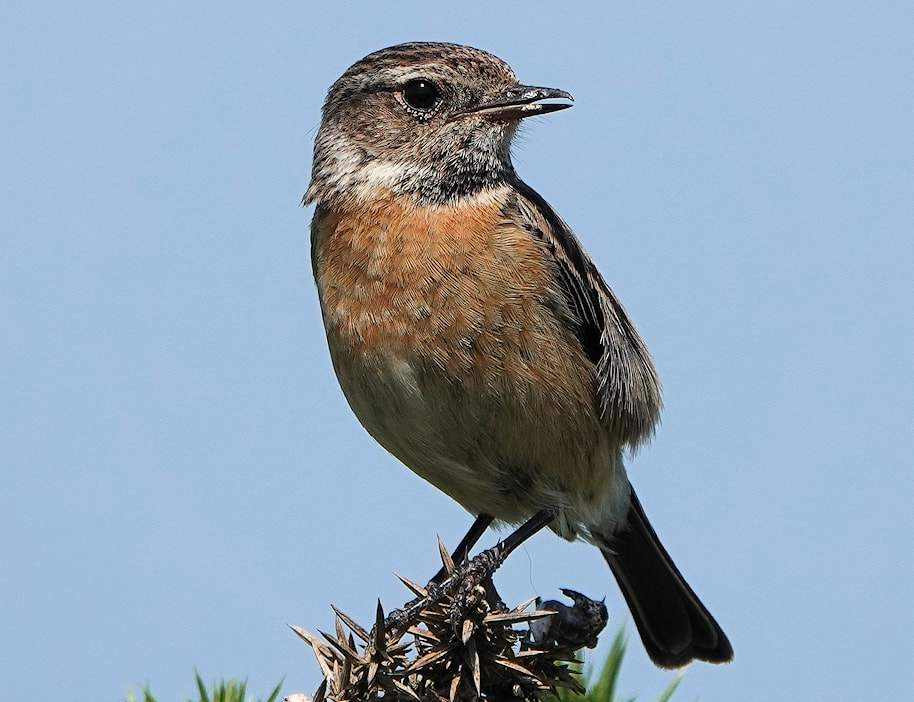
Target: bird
(472,335)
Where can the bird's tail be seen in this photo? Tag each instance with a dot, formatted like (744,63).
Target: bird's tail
(674,625)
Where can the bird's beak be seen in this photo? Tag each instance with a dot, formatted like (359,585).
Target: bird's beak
(520,101)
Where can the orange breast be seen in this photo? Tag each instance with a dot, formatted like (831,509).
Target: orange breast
(455,308)
(457,285)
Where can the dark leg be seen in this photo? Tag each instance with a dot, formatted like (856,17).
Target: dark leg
(467,574)
(526,530)
(481,569)
(469,541)
(484,565)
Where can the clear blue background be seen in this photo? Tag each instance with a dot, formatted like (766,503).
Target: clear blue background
(180,473)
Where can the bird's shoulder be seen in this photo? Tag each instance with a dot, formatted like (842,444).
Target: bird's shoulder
(627,383)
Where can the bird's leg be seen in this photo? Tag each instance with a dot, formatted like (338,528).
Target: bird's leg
(468,574)
(478,528)
(537,522)
(488,562)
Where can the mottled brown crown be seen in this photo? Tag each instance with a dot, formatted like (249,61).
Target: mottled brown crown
(370,138)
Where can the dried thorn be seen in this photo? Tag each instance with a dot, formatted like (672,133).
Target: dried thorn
(335,685)
(571,684)
(455,683)
(530,652)
(380,631)
(467,630)
(515,616)
(372,672)
(346,673)
(400,648)
(561,673)
(306,636)
(326,670)
(474,666)
(446,559)
(515,667)
(406,689)
(428,615)
(321,651)
(565,656)
(570,672)
(523,605)
(321,691)
(351,623)
(427,660)
(417,590)
(423,634)
(342,647)
(340,632)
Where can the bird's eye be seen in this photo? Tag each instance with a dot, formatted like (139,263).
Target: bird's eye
(421,94)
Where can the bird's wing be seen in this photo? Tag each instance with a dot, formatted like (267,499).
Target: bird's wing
(626,381)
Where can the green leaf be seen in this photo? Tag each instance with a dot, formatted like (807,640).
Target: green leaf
(231,690)
(604,688)
(201,688)
(671,688)
(275,693)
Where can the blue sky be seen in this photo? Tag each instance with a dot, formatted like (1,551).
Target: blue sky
(181,473)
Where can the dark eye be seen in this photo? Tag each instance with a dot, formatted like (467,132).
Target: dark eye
(421,94)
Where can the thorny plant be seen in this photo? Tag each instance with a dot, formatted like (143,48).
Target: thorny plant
(457,641)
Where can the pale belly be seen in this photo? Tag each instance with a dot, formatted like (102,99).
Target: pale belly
(453,355)
(504,453)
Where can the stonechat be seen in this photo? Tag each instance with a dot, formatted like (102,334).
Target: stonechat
(471,333)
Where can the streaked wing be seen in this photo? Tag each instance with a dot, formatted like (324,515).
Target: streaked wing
(626,381)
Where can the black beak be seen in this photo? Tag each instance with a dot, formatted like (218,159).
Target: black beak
(520,101)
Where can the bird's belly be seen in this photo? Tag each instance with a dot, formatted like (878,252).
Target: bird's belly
(451,354)
(505,453)
(434,430)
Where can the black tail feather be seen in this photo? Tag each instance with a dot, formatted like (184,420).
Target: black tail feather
(674,625)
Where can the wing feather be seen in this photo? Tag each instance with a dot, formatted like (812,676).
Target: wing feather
(626,380)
